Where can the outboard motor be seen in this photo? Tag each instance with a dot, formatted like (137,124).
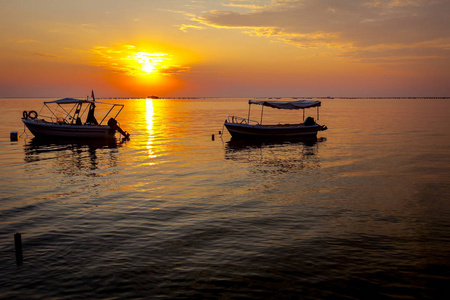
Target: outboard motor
(112,123)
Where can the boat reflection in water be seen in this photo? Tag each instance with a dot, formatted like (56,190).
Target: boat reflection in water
(72,156)
(275,156)
(238,143)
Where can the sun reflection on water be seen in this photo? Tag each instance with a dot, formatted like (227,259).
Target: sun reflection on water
(150,131)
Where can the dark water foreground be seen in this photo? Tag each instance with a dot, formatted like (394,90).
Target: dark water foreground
(360,213)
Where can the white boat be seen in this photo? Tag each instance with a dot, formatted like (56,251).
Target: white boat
(246,128)
(74,118)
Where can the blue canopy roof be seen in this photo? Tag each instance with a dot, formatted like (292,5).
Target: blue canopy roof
(299,104)
(74,101)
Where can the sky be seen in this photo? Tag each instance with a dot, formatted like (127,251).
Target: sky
(233,48)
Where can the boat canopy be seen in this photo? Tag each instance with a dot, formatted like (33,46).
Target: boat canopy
(74,100)
(299,104)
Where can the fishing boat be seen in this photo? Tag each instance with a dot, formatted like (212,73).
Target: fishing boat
(74,118)
(246,128)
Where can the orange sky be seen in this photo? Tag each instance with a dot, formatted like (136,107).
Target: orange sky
(235,48)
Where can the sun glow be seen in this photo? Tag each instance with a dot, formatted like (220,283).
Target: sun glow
(144,68)
(140,62)
(148,63)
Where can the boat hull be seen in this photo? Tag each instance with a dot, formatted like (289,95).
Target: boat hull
(271,131)
(48,129)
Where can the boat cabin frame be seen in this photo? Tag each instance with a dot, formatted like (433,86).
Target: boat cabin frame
(78,110)
(289,105)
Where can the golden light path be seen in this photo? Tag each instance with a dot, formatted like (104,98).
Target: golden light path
(150,131)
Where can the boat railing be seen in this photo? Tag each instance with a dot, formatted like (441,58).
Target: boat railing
(57,120)
(239,120)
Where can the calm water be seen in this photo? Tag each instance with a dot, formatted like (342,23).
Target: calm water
(362,213)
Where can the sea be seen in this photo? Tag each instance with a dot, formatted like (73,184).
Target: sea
(182,211)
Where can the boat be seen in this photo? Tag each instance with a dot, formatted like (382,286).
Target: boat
(246,128)
(74,118)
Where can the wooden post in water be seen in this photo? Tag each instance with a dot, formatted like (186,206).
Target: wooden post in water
(18,245)
(13,136)
(262,110)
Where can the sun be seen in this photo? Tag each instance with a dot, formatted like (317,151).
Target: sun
(148,68)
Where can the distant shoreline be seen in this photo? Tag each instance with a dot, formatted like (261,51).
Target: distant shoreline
(274,98)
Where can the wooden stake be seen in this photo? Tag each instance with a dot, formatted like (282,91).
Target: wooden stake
(18,245)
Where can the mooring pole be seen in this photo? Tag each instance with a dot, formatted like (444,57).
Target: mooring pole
(18,245)
(262,110)
(13,136)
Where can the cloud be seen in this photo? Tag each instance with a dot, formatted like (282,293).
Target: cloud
(46,55)
(357,28)
(185,27)
(425,51)
(245,4)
